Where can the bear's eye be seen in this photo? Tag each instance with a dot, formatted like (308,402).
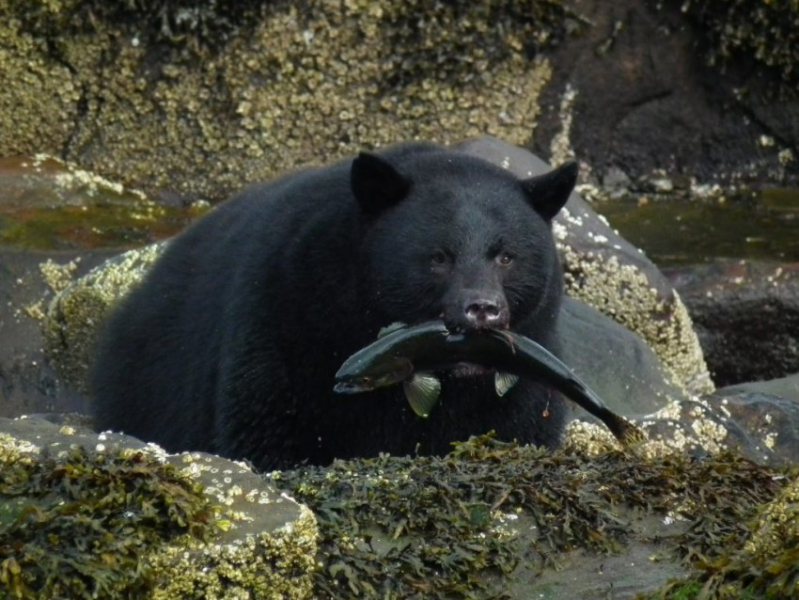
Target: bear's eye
(439,258)
(504,259)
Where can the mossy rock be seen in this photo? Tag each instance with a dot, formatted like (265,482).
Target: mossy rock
(87,515)
(499,520)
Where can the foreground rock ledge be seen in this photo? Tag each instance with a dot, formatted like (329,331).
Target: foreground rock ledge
(266,544)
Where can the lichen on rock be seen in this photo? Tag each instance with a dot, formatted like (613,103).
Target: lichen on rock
(623,292)
(280,87)
(72,320)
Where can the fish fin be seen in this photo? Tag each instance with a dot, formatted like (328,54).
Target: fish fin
(627,433)
(503,382)
(396,326)
(422,391)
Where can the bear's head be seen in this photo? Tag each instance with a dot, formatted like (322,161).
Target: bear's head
(454,237)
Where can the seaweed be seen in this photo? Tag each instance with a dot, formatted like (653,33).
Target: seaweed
(77,524)
(444,527)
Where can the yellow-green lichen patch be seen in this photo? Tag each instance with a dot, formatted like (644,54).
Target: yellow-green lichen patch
(71,323)
(469,524)
(623,292)
(296,86)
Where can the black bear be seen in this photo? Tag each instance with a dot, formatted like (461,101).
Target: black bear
(231,342)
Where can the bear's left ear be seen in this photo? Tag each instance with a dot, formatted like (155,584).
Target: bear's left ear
(548,193)
(376,184)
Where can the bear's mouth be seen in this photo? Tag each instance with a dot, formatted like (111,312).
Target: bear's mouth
(468,370)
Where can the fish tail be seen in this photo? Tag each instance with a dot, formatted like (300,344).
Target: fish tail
(627,433)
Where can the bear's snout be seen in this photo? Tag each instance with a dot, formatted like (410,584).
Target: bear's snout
(482,310)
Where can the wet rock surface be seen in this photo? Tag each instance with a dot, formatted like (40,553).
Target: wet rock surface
(28,281)
(746,314)
(295,86)
(576,523)
(643,98)
(76,313)
(182,108)
(615,362)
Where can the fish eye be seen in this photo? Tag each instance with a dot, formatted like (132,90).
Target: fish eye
(365,380)
(504,259)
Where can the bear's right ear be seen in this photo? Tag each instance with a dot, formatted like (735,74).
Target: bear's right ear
(376,183)
(549,192)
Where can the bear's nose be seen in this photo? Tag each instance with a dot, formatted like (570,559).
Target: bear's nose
(485,312)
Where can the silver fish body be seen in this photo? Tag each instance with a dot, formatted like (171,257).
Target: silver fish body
(391,358)
(430,347)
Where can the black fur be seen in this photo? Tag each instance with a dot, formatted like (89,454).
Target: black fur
(231,343)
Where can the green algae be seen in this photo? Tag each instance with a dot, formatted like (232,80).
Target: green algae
(48,204)
(88,227)
(77,524)
(96,226)
(684,232)
(473,523)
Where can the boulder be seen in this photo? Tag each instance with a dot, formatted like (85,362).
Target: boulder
(615,362)
(29,280)
(746,314)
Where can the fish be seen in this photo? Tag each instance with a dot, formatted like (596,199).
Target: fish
(388,361)
(412,355)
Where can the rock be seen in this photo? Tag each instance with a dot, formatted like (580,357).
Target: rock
(519,522)
(172,107)
(746,314)
(56,223)
(73,316)
(605,271)
(28,281)
(616,182)
(615,362)
(265,543)
(643,96)
(760,420)
(784,387)
(768,411)
(185,108)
